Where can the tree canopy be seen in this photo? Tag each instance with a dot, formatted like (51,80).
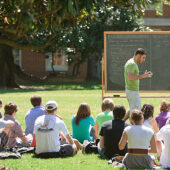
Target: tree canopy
(24,22)
(37,24)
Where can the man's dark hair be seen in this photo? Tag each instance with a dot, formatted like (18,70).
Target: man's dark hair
(140,51)
(119,112)
(36,100)
(0,101)
(10,108)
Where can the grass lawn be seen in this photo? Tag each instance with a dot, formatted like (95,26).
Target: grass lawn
(68,101)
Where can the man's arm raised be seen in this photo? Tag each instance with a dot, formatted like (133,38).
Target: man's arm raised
(132,76)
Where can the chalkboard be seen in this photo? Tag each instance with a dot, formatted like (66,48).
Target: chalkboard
(120,46)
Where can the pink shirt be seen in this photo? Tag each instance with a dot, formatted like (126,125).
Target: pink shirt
(15,131)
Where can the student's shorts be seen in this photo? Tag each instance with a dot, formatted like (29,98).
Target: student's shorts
(133,100)
(131,161)
(65,151)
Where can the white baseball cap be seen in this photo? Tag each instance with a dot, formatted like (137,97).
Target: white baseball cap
(51,105)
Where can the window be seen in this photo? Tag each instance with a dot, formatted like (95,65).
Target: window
(17,57)
(57,60)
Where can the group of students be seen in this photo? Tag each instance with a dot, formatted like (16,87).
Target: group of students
(129,143)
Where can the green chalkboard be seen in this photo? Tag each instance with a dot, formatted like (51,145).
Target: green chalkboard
(120,46)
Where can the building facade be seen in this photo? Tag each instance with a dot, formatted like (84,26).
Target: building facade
(158,22)
(40,65)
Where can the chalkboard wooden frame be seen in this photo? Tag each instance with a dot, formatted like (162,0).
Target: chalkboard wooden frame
(104,81)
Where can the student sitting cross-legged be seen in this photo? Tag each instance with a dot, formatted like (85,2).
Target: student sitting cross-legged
(106,114)
(140,141)
(34,113)
(164,114)
(47,131)
(82,123)
(5,132)
(16,132)
(110,134)
(164,135)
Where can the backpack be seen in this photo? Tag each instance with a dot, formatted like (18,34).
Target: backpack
(90,147)
(3,140)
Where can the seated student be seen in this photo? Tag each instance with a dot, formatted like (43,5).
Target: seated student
(16,131)
(139,138)
(4,132)
(149,121)
(47,129)
(82,122)
(33,113)
(110,134)
(0,108)
(106,114)
(164,135)
(162,117)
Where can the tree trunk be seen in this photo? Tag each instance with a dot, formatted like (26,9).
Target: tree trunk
(7,67)
(94,68)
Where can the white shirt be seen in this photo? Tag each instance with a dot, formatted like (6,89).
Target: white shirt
(139,136)
(46,129)
(164,134)
(4,123)
(147,122)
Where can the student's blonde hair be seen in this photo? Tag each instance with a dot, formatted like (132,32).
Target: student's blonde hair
(107,104)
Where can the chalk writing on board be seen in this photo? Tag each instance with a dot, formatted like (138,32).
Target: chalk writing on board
(121,47)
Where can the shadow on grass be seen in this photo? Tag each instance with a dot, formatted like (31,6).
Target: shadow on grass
(48,155)
(114,164)
(54,86)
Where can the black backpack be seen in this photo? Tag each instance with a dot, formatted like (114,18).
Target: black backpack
(3,140)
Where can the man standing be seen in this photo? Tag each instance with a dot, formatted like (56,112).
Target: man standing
(132,77)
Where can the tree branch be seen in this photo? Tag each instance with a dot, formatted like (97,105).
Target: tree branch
(49,12)
(27,47)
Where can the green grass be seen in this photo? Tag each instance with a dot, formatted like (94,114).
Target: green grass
(68,101)
(66,85)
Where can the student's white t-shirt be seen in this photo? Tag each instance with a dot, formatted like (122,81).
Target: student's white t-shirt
(46,129)
(3,123)
(147,122)
(139,136)
(164,134)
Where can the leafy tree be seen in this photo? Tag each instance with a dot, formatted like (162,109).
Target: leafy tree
(34,24)
(88,38)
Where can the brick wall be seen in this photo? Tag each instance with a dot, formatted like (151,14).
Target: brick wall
(33,63)
(82,71)
(166,15)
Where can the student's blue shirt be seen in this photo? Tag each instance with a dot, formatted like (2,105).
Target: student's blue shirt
(81,132)
(31,116)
